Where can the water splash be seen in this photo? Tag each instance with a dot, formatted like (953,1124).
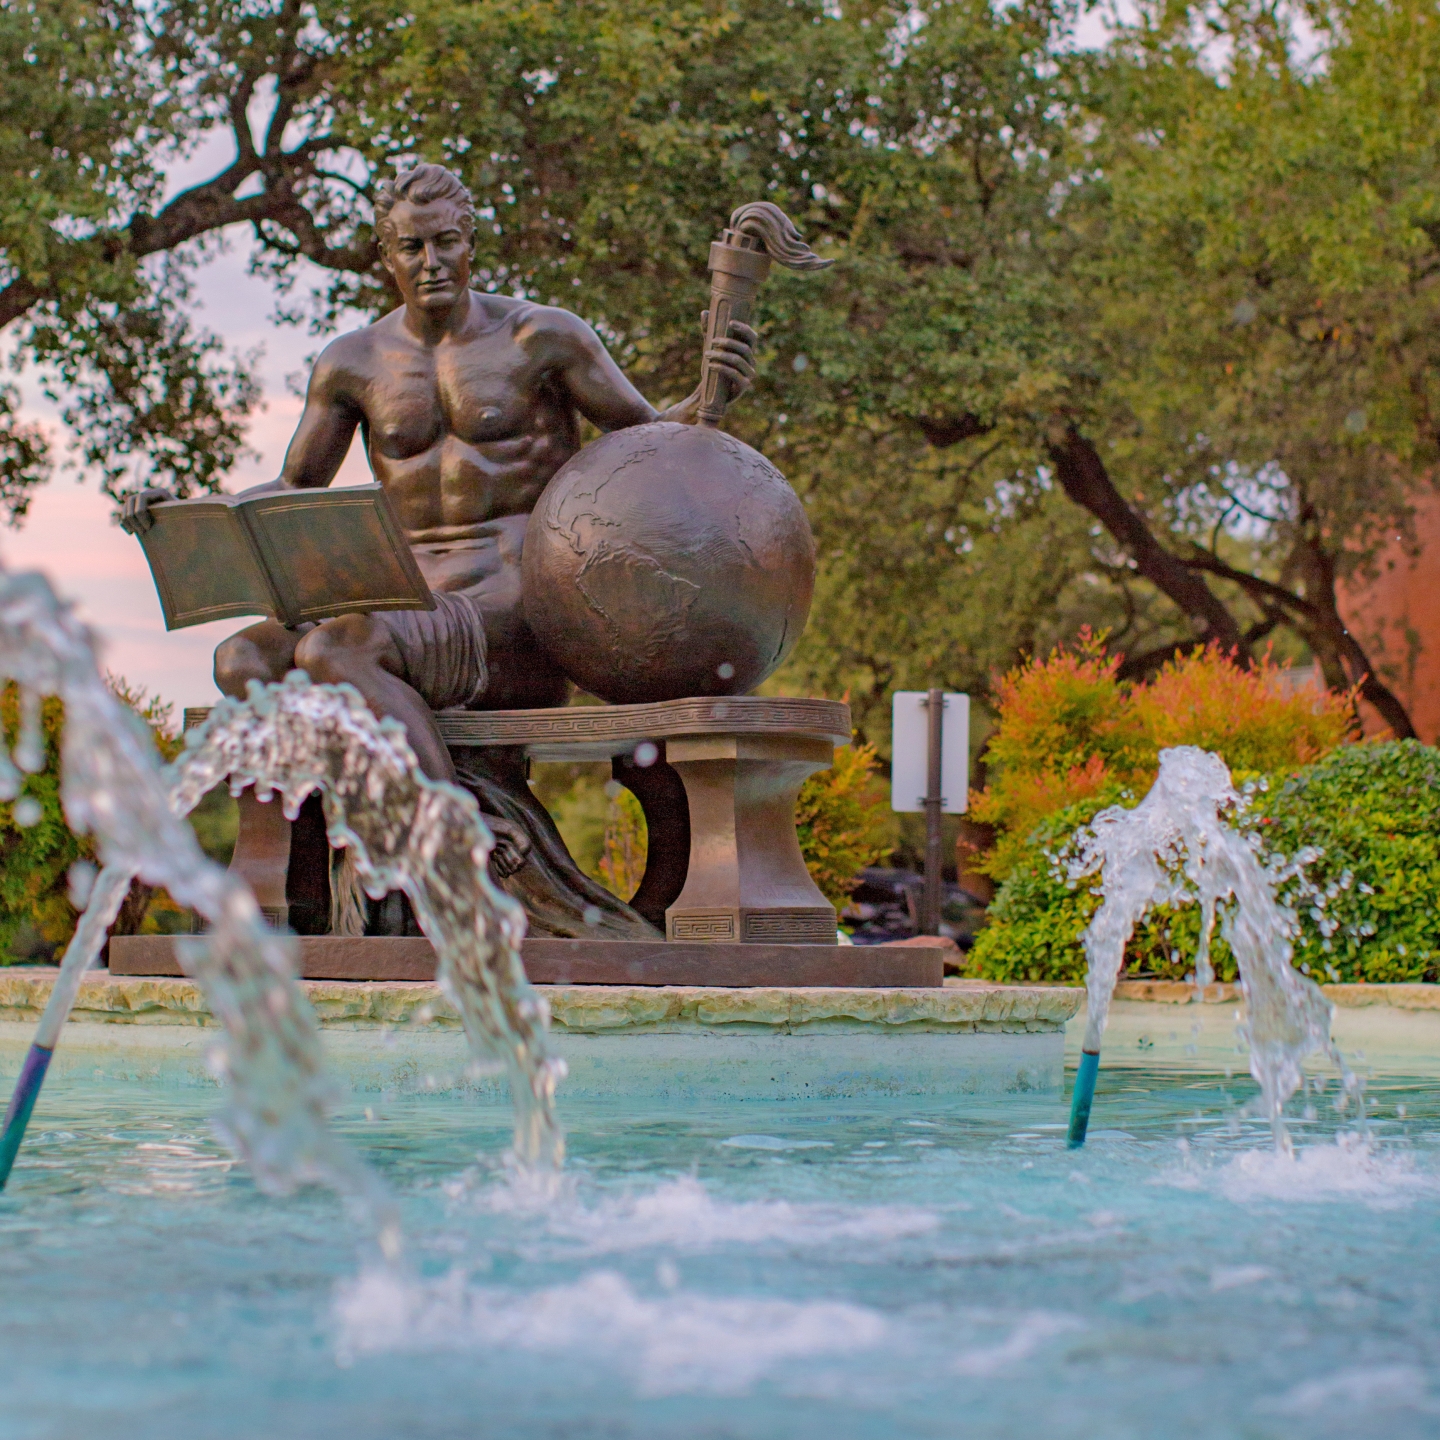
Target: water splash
(405,831)
(1179,846)
(111,787)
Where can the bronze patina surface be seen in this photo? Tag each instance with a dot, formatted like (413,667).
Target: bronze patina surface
(666,561)
(469,403)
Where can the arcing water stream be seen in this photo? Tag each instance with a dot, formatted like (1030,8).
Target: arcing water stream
(1179,846)
(404,832)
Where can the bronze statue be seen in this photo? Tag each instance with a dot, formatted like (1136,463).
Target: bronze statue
(468,403)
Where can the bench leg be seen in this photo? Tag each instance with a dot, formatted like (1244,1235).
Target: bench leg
(661,794)
(747,880)
(286,865)
(262,854)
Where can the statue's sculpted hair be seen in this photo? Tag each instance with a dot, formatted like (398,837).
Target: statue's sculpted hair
(420,185)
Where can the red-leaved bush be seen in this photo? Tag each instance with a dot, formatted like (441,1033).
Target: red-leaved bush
(1069,730)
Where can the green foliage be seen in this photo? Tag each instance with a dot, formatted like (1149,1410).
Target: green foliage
(575,795)
(98,97)
(622,865)
(1211,261)
(1374,811)
(35,859)
(843,822)
(36,913)
(1260,308)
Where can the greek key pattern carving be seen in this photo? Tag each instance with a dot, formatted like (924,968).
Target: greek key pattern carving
(703,925)
(623,725)
(792,927)
(669,719)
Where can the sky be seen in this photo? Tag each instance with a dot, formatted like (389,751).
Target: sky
(69,533)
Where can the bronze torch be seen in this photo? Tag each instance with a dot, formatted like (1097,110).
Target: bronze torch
(740,259)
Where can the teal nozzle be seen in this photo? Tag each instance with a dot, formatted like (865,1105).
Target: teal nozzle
(22,1102)
(1082,1098)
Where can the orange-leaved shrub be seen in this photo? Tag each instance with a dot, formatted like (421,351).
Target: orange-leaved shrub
(1070,730)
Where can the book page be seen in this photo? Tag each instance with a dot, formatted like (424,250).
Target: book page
(335,552)
(203,564)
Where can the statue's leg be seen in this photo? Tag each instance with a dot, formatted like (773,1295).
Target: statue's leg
(362,651)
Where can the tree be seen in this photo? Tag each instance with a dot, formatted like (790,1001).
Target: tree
(1042,256)
(1265,315)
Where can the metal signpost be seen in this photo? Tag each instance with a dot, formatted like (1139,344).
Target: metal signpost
(930,773)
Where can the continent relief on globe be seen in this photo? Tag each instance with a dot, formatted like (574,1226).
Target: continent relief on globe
(665,561)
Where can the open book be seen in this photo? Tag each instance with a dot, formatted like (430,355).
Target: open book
(294,555)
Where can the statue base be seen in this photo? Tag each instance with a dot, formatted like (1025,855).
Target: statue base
(595,962)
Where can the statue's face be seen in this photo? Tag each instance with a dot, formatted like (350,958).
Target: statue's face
(428,253)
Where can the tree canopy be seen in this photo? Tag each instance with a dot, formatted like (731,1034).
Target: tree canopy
(1139,338)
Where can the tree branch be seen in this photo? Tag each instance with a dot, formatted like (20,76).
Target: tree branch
(1086,481)
(946,430)
(1320,622)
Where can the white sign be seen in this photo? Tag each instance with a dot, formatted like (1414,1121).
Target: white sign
(910,738)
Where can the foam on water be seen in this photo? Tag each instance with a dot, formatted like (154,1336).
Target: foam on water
(1370,1391)
(668,1343)
(1031,1333)
(1351,1168)
(682,1214)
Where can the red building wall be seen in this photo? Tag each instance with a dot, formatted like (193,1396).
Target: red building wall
(1397,619)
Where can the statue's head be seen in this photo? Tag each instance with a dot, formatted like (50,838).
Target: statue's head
(425,222)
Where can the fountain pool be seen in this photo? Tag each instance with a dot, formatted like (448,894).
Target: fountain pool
(911,1266)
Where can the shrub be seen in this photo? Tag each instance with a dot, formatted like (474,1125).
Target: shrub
(1064,734)
(1250,718)
(35,860)
(1374,812)
(843,822)
(1033,928)
(1068,730)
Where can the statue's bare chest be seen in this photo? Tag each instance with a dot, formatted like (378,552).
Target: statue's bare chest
(479,391)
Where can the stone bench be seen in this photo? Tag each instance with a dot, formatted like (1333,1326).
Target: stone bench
(716,778)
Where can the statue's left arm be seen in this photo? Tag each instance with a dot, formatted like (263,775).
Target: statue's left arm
(602,394)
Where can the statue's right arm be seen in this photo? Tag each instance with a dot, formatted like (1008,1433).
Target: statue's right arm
(322,438)
(318,449)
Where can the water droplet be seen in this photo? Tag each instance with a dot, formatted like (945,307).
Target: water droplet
(725,670)
(646,754)
(27,811)
(80,881)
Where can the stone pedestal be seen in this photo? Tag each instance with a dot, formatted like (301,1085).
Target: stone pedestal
(746,879)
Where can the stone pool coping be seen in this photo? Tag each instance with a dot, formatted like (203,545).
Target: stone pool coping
(960,1007)
(1404,996)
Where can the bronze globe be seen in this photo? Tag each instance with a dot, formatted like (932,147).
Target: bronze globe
(665,561)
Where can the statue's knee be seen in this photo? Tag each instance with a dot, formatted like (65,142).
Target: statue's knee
(331,652)
(237,662)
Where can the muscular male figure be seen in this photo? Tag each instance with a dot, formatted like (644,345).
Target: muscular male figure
(468,403)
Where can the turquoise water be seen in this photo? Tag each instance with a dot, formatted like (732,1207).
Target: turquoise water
(766,1270)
